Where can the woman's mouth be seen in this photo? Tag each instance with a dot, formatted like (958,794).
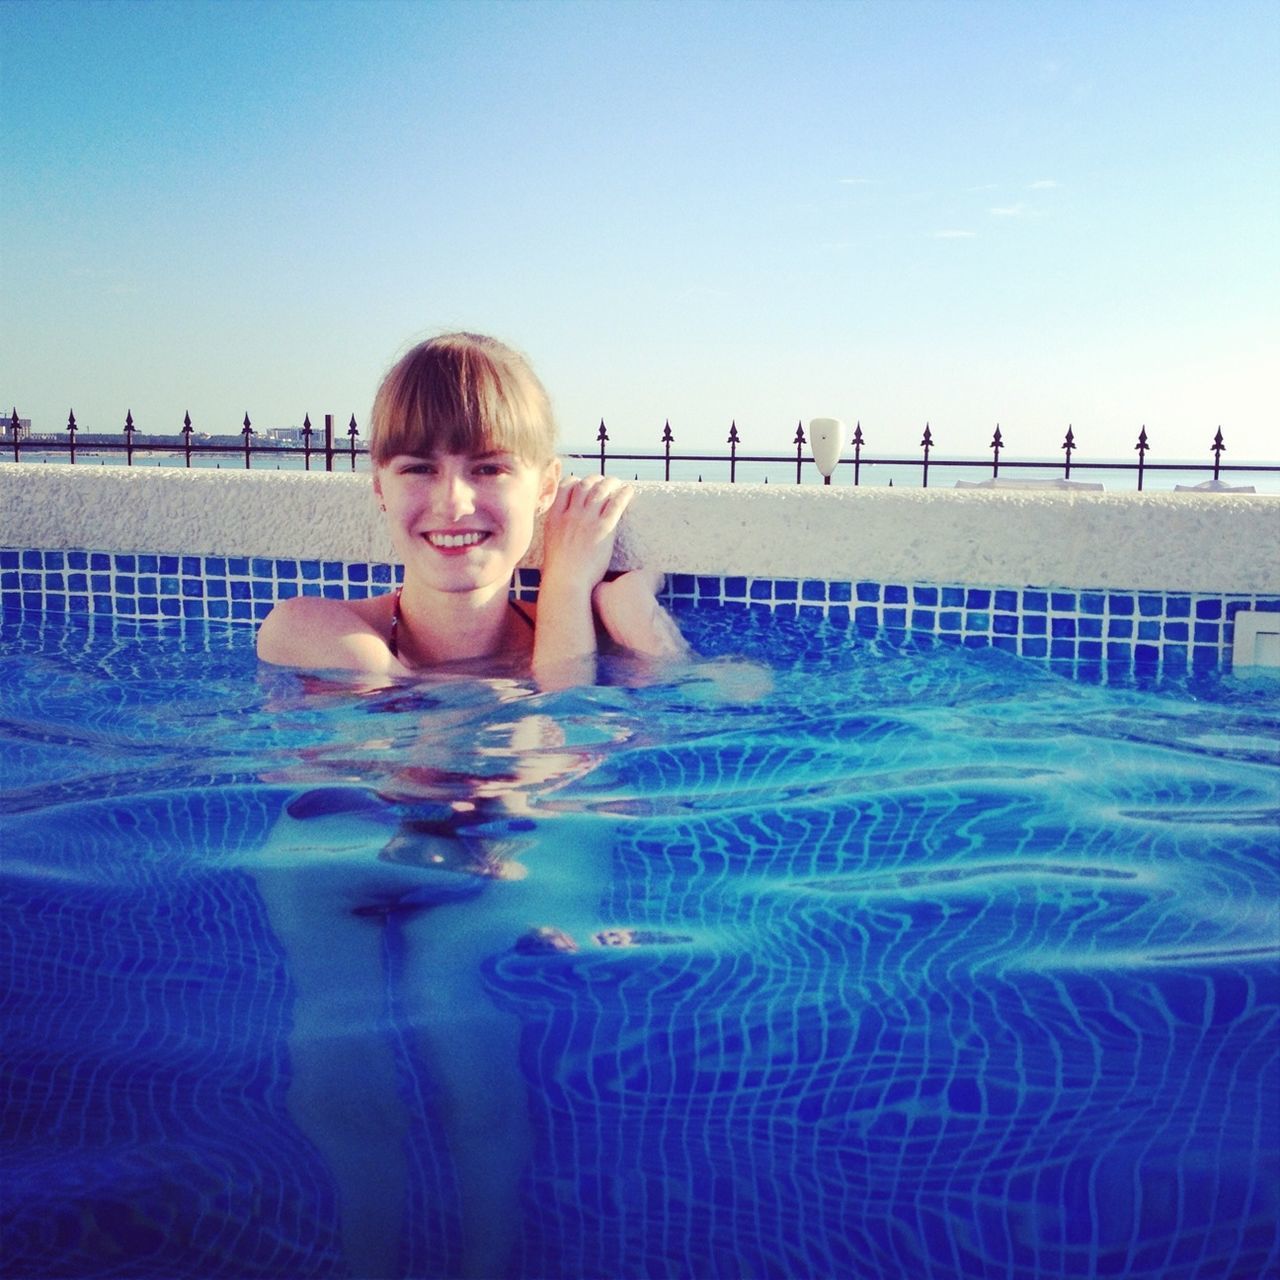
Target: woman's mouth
(445,541)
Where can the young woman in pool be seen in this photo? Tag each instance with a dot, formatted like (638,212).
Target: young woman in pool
(463,449)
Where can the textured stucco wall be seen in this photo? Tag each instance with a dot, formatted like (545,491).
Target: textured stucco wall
(1158,541)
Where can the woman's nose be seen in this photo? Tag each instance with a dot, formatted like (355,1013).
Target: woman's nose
(457,496)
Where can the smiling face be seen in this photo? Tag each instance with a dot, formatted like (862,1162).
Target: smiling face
(463,521)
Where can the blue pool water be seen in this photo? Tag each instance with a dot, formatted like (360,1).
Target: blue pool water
(939,964)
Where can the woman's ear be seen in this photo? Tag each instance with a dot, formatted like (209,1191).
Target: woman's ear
(548,486)
(377,491)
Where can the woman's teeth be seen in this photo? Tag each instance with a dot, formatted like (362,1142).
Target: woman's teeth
(451,540)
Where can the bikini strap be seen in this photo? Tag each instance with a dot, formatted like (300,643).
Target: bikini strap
(393,641)
(520,613)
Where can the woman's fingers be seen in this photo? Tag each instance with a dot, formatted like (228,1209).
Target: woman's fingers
(602,496)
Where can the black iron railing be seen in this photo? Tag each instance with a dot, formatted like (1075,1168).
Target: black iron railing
(328,452)
(925,461)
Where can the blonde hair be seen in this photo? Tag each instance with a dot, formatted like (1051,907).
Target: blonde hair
(462,393)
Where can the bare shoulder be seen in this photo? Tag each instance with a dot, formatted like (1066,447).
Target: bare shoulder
(319,634)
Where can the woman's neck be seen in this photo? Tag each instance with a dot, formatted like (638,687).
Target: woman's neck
(437,627)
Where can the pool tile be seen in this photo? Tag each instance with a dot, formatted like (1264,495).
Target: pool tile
(1065,627)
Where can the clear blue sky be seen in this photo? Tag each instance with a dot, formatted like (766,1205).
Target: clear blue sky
(967,213)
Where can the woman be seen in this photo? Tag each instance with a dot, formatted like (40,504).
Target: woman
(463,449)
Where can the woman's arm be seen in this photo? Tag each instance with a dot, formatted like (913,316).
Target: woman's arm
(628,609)
(577,543)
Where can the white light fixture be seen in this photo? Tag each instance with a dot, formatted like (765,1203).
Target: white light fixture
(827,438)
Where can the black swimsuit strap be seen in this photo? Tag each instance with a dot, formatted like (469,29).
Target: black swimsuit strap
(393,641)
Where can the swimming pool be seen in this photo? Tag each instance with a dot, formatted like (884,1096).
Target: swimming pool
(894,958)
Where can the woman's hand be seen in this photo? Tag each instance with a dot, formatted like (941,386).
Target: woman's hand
(579,531)
(577,544)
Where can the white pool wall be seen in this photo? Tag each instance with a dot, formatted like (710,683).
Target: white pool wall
(1197,542)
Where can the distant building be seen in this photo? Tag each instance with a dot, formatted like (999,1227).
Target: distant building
(288,435)
(24,428)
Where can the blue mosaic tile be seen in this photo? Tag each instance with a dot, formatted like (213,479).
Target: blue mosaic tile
(1175,629)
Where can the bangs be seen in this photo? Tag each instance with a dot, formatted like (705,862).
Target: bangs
(462,394)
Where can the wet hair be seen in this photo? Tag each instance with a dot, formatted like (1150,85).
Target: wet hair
(462,393)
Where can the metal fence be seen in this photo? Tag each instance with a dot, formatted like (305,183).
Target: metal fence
(328,451)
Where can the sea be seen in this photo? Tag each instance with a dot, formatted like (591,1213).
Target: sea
(1116,476)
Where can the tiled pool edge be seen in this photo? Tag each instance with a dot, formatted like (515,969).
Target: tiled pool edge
(1173,630)
(1098,578)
